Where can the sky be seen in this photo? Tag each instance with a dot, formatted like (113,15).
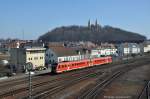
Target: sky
(29,19)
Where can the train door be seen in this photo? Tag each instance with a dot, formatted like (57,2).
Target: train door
(90,62)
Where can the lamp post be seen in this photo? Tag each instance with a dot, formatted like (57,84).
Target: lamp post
(29,67)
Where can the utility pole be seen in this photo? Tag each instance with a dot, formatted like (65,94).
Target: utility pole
(29,67)
(23,34)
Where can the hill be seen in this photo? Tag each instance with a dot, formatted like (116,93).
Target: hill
(94,33)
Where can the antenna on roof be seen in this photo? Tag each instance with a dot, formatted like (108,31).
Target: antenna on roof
(23,34)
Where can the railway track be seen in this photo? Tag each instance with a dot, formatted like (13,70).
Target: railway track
(49,87)
(49,93)
(21,80)
(91,94)
(36,80)
(6,87)
(23,88)
(35,84)
(101,84)
(145,94)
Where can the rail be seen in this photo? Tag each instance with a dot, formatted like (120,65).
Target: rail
(91,94)
(47,87)
(148,90)
(145,92)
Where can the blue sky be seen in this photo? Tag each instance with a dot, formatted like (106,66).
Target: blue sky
(36,17)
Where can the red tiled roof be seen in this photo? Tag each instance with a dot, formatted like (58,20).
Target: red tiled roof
(63,51)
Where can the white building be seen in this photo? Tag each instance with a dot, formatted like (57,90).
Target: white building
(129,48)
(147,48)
(104,52)
(20,56)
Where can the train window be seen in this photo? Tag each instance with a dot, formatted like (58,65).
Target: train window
(49,61)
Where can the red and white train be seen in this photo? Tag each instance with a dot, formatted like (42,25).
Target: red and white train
(85,63)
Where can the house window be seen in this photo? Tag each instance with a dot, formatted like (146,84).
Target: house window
(29,58)
(35,58)
(41,57)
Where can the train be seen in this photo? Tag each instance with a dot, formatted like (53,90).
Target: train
(79,64)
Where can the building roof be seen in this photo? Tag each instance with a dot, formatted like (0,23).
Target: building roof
(35,48)
(146,43)
(63,51)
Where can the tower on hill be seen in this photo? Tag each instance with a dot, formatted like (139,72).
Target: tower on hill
(89,24)
(94,27)
(96,24)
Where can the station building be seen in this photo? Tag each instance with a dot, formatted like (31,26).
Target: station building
(20,56)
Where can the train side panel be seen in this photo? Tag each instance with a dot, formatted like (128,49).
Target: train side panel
(67,66)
